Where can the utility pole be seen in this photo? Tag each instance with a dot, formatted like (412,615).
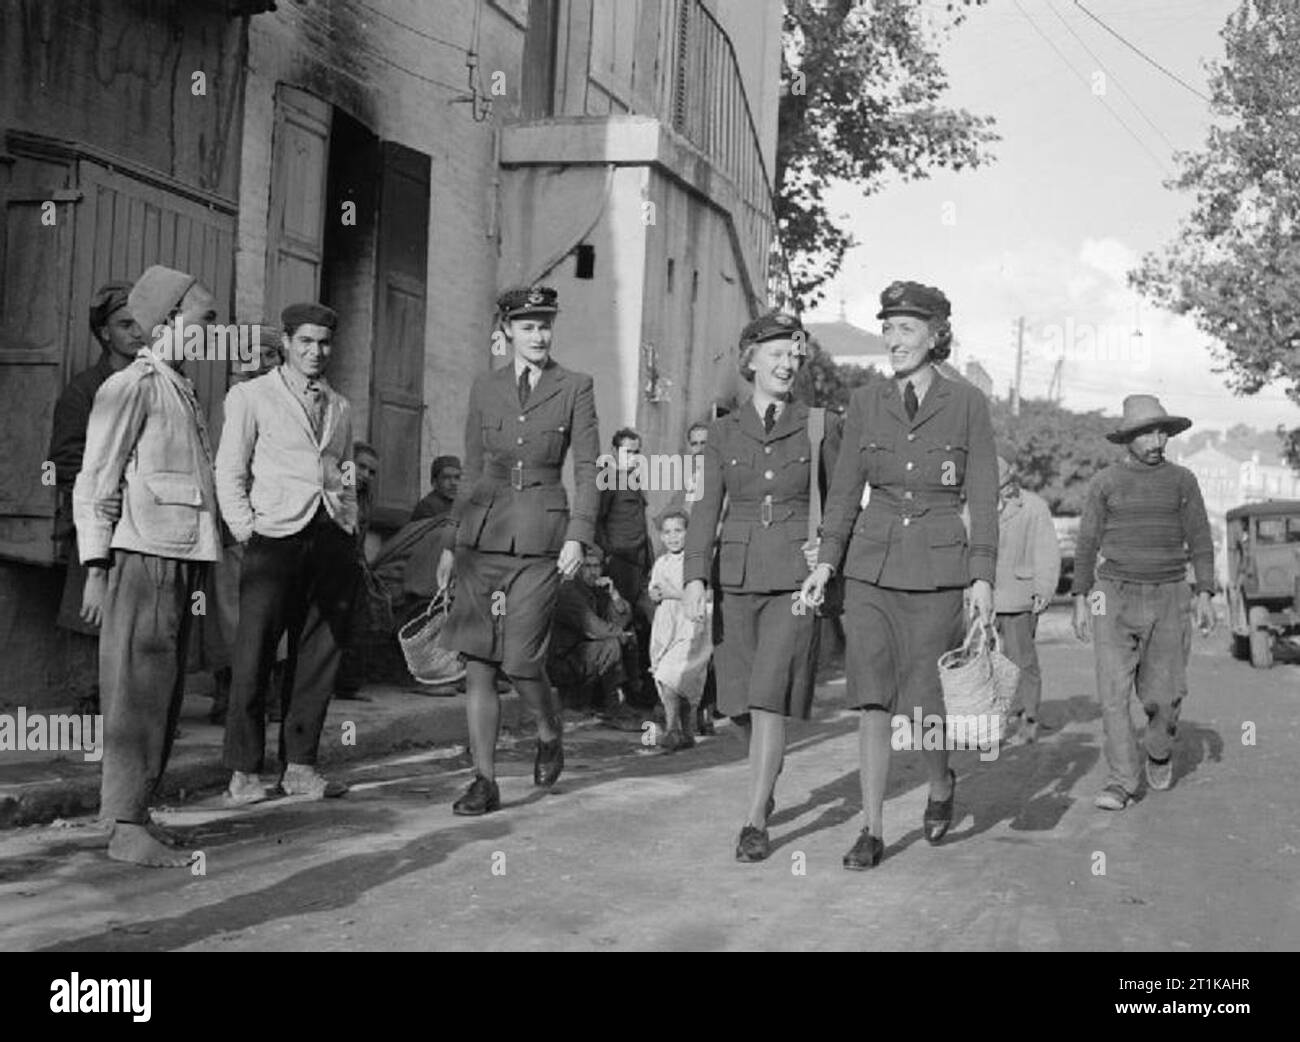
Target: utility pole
(1055,390)
(1020,357)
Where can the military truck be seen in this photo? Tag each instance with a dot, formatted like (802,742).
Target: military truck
(1263,546)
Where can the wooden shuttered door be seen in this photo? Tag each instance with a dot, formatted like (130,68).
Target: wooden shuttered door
(109,225)
(401,281)
(296,223)
(35,276)
(127,226)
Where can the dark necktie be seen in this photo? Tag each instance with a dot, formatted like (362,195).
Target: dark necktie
(909,400)
(524,387)
(769,418)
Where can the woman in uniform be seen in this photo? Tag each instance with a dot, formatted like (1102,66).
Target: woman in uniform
(919,444)
(512,518)
(758,458)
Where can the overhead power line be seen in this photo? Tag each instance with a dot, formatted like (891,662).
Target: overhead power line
(1084,80)
(1140,53)
(1111,76)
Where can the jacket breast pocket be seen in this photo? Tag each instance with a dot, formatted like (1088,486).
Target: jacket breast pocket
(879,458)
(946,464)
(490,433)
(555,439)
(168,509)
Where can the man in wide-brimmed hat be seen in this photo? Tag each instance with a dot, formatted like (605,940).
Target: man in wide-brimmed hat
(1146,517)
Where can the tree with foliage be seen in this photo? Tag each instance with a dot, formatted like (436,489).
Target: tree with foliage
(860,84)
(825,383)
(1055,451)
(1235,264)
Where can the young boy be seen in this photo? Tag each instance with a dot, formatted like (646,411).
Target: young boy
(679,647)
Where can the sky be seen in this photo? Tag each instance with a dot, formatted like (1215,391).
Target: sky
(1073,201)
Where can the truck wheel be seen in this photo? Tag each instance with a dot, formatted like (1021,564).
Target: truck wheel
(1261,640)
(1241,646)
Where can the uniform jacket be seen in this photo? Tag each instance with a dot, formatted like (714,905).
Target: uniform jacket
(273,472)
(146,443)
(1029,557)
(760,546)
(910,534)
(511,496)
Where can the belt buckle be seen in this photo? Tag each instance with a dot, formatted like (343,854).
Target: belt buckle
(517,476)
(765,512)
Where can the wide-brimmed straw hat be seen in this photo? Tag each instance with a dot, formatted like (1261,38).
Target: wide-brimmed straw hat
(1143,412)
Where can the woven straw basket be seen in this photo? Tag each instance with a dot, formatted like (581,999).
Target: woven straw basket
(428,661)
(979,680)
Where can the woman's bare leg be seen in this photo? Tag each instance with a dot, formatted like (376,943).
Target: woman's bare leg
(484,710)
(766,757)
(873,767)
(541,700)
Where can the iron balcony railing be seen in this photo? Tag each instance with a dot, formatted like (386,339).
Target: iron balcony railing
(706,102)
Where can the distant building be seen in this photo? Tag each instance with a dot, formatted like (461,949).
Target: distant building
(848,344)
(979,376)
(1231,475)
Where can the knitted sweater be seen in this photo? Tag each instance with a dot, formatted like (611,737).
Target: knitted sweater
(1146,522)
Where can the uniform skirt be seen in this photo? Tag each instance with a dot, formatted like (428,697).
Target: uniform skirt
(767,656)
(502,610)
(893,640)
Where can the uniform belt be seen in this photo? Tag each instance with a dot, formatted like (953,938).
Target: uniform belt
(767,511)
(520,476)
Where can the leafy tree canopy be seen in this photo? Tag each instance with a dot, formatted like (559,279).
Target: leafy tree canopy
(1234,266)
(860,85)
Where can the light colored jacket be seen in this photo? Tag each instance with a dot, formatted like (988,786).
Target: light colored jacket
(146,449)
(1029,557)
(273,473)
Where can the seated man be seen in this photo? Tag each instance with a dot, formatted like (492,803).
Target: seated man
(445,475)
(590,634)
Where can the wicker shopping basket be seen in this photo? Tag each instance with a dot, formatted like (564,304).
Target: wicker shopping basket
(979,680)
(428,661)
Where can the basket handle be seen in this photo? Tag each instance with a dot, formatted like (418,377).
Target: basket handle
(975,630)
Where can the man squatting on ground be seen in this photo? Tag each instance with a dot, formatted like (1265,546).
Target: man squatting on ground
(1146,516)
(285,449)
(146,517)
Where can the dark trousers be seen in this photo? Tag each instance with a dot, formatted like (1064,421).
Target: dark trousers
(588,664)
(303,584)
(631,577)
(1018,631)
(148,611)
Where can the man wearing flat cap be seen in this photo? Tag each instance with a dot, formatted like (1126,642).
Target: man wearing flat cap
(1146,517)
(120,339)
(147,529)
(286,482)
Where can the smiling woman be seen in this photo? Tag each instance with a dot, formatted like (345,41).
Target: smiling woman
(762,461)
(516,537)
(922,444)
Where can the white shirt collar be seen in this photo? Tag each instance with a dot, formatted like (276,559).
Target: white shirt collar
(534,374)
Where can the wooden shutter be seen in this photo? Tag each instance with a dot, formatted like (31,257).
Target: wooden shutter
(124,226)
(35,274)
(397,401)
(296,223)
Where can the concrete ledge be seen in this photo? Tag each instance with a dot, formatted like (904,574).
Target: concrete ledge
(37,788)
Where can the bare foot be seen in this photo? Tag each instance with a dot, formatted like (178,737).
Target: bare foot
(133,844)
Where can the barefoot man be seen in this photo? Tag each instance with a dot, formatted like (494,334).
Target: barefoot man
(146,517)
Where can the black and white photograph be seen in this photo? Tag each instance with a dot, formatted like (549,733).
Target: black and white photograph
(651,476)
